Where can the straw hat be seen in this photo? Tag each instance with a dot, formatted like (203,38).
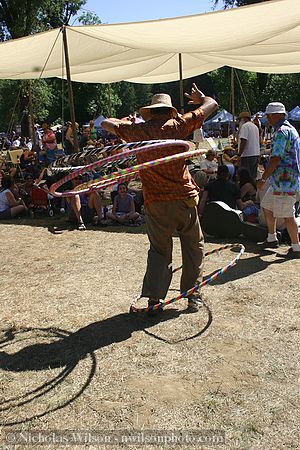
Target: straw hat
(244,115)
(158,101)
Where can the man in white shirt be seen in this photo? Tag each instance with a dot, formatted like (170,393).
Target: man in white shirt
(248,142)
(209,165)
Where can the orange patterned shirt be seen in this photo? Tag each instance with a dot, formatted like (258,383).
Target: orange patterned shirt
(171,181)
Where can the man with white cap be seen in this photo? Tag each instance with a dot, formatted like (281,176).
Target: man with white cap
(284,173)
(170,193)
(249,146)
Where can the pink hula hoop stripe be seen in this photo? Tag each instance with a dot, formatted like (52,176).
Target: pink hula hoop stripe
(122,174)
(161,305)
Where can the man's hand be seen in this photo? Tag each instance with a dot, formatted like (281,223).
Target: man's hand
(196,97)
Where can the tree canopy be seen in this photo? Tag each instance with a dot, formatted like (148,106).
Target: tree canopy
(49,97)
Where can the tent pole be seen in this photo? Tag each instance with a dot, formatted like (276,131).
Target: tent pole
(232,103)
(181,88)
(70,89)
(30,118)
(109,101)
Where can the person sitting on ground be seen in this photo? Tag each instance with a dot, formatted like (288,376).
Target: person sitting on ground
(6,170)
(230,156)
(123,210)
(84,207)
(205,171)
(26,190)
(85,140)
(209,165)
(223,190)
(247,185)
(9,206)
(28,162)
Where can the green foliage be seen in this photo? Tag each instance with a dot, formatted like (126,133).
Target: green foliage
(50,97)
(14,101)
(55,13)
(282,88)
(89,18)
(233,3)
(22,18)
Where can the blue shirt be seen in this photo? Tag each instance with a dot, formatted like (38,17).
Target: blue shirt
(286,145)
(124,204)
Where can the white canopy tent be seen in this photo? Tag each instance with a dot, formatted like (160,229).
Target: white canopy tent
(262,38)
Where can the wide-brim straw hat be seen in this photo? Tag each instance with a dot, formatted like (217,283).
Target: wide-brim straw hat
(244,115)
(158,101)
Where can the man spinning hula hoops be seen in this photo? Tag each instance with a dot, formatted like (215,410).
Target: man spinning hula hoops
(170,193)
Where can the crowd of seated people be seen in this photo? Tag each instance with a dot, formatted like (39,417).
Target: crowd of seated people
(32,173)
(218,177)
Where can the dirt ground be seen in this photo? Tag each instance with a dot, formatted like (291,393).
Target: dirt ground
(73,358)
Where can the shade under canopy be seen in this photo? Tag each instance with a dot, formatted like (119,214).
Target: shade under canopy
(262,38)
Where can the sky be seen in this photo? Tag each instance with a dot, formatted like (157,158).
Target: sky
(138,10)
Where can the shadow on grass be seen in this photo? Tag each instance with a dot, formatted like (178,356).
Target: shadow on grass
(59,224)
(65,352)
(245,266)
(199,333)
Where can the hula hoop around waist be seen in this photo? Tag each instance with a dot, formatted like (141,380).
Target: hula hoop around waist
(122,174)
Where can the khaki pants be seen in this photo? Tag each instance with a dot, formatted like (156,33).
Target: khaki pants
(163,218)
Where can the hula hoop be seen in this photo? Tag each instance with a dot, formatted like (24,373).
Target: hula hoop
(121,174)
(161,305)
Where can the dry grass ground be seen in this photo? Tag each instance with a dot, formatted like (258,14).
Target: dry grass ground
(72,358)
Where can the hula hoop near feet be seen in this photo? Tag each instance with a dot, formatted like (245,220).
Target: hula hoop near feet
(161,305)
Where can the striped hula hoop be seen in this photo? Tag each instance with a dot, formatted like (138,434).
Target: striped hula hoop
(161,305)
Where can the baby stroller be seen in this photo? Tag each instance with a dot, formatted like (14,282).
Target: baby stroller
(40,202)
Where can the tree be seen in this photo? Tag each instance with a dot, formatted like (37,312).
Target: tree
(22,18)
(89,18)
(232,3)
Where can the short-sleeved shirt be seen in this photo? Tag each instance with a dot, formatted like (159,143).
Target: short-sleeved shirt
(124,203)
(49,140)
(250,132)
(223,191)
(170,181)
(212,166)
(285,144)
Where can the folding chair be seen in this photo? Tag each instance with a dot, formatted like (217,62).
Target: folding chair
(14,158)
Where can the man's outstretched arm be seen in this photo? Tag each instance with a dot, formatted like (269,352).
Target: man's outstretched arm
(109,124)
(196,97)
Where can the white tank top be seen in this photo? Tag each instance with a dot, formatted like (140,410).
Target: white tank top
(4,205)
